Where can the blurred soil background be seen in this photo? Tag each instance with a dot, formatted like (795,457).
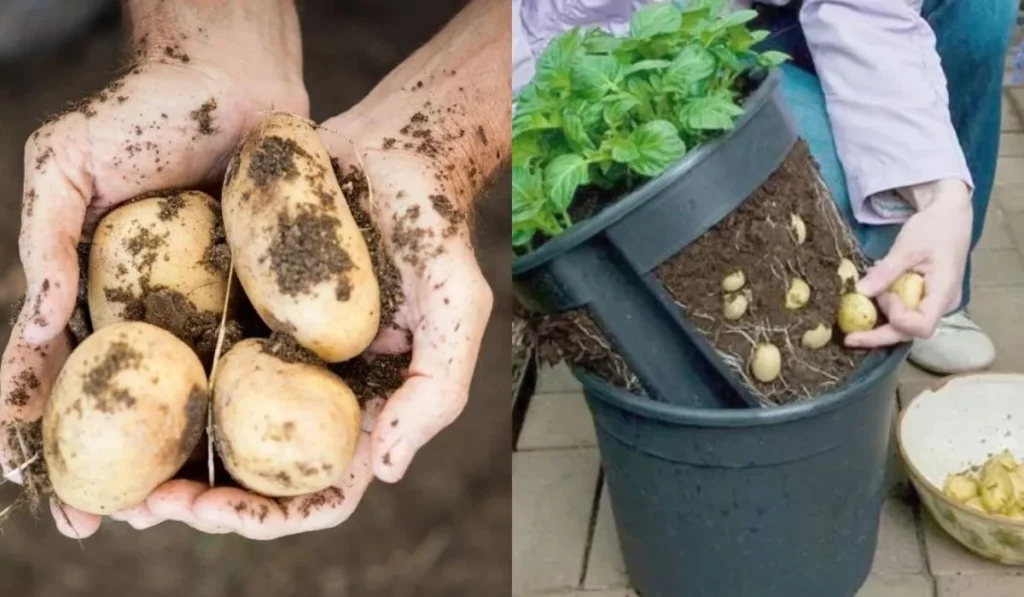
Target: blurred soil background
(445,530)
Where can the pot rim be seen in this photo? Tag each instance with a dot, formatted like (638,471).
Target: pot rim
(583,231)
(741,417)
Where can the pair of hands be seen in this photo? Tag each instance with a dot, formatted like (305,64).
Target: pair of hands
(935,243)
(77,170)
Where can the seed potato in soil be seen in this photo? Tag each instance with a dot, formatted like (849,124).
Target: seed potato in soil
(153,285)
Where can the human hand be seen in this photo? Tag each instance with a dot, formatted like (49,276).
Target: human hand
(202,77)
(443,307)
(935,243)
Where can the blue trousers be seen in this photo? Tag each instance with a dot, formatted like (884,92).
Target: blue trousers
(972,40)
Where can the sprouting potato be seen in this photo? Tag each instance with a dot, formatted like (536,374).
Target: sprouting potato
(996,488)
(766,365)
(735,306)
(798,229)
(910,288)
(961,488)
(848,274)
(856,313)
(817,337)
(734,281)
(798,294)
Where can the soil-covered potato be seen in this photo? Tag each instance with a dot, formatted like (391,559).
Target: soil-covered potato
(298,252)
(125,413)
(284,425)
(157,243)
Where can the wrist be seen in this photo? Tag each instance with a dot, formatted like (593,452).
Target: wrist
(951,192)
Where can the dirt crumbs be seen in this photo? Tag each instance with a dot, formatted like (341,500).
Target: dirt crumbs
(80,324)
(98,384)
(275,160)
(574,338)
(175,53)
(416,244)
(756,239)
(357,191)
(217,257)
(195,421)
(203,117)
(25,383)
(444,207)
(170,206)
(287,349)
(305,252)
(376,376)
(174,312)
(24,441)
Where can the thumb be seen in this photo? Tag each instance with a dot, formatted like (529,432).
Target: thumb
(445,349)
(56,194)
(879,278)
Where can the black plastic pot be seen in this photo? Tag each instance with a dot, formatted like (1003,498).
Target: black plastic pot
(780,502)
(605,264)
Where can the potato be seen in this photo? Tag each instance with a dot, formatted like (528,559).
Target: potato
(798,294)
(816,337)
(961,488)
(856,313)
(848,274)
(126,412)
(766,364)
(975,504)
(299,254)
(1006,460)
(735,306)
(283,427)
(996,488)
(798,229)
(910,288)
(734,281)
(161,242)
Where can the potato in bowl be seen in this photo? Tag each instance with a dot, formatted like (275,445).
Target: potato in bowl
(963,424)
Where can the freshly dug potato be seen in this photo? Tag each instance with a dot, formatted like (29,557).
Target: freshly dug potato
(856,313)
(158,243)
(298,252)
(125,414)
(283,427)
(996,488)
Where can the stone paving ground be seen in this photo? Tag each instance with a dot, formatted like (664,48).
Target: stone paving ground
(564,542)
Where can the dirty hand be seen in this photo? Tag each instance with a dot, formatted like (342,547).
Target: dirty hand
(202,76)
(935,243)
(444,305)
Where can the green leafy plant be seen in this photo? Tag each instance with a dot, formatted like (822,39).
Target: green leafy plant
(613,111)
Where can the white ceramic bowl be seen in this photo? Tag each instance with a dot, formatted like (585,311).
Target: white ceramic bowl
(962,422)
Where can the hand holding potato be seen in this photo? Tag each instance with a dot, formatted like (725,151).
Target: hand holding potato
(201,78)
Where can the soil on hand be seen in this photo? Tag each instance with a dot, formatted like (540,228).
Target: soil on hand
(376,376)
(756,239)
(24,441)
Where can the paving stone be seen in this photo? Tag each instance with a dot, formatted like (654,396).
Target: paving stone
(896,586)
(947,557)
(612,593)
(997,311)
(557,421)
(1010,170)
(909,390)
(996,234)
(555,380)
(899,552)
(552,498)
(896,481)
(1010,198)
(1010,119)
(1011,144)
(981,586)
(605,567)
(997,267)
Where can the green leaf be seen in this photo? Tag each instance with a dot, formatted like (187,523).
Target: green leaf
(654,19)
(759,36)
(623,150)
(658,145)
(527,194)
(536,121)
(595,76)
(692,65)
(617,106)
(727,57)
(562,177)
(597,41)
(554,66)
(576,130)
(522,236)
(644,66)
(771,58)
(733,19)
(709,114)
(526,148)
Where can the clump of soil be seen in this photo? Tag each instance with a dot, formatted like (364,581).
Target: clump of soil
(287,349)
(357,191)
(203,117)
(756,239)
(174,312)
(25,442)
(305,252)
(374,376)
(217,257)
(25,383)
(574,338)
(275,160)
(98,383)
(170,205)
